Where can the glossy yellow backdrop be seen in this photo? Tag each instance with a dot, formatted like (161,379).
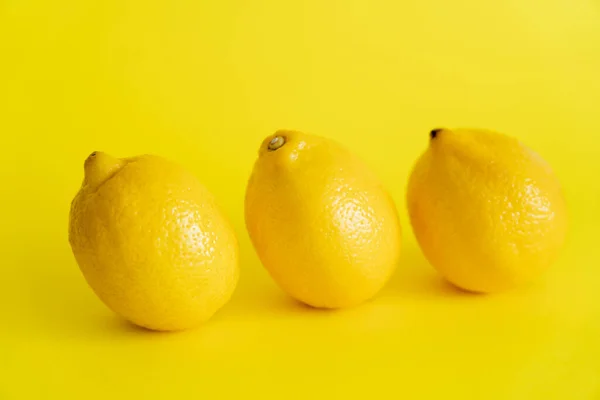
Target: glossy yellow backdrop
(203,82)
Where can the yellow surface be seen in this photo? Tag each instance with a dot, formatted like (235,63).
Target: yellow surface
(203,82)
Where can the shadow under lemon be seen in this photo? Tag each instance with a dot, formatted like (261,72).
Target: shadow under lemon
(258,296)
(415,278)
(63,305)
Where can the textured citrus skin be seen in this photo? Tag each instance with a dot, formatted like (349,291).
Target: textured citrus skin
(321,222)
(487,211)
(152,242)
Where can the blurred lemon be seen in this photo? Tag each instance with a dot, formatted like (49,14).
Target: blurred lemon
(152,242)
(321,222)
(487,211)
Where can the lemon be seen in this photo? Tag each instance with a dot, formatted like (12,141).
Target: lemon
(487,211)
(320,221)
(152,242)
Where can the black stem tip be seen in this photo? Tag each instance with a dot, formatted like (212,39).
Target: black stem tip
(434,133)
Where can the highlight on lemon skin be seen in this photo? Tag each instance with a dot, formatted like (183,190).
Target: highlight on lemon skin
(321,223)
(152,242)
(487,211)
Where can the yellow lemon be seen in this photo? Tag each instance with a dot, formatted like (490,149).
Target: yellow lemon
(322,224)
(152,242)
(487,211)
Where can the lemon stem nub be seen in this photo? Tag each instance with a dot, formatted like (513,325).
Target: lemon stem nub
(433,134)
(99,167)
(276,143)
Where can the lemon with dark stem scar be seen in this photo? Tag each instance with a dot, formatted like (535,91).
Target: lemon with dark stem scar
(487,211)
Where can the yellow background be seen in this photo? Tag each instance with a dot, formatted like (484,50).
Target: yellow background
(203,82)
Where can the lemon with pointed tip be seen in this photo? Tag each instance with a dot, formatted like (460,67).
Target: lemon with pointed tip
(487,211)
(152,242)
(320,221)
